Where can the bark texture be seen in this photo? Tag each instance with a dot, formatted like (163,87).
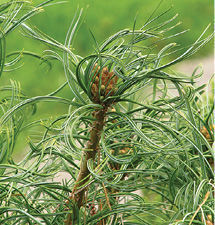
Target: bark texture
(79,191)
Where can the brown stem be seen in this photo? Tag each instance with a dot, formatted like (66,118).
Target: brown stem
(92,146)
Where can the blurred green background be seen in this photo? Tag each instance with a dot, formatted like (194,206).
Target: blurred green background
(103,18)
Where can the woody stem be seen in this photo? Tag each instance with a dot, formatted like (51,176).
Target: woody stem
(92,145)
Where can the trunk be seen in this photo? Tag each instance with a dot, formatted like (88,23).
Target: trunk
(90,153)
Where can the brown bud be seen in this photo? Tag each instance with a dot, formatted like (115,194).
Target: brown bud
(105,70)
(209,222)
(207,136)
(204,130)
(94,89)
(102,88)
(210,218)
(96,68)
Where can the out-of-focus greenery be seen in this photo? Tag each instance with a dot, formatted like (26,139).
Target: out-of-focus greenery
(102,18)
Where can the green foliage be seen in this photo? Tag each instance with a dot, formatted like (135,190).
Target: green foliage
(153,160)
(103,18)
